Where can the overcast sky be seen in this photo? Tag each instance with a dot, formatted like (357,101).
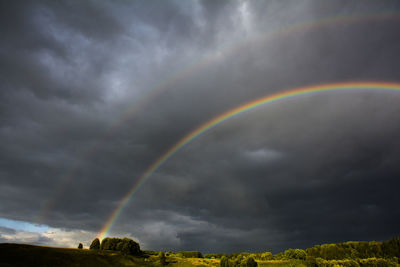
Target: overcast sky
(93,92)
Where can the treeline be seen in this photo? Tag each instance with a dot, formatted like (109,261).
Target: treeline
(348,254)
(125,245)
(239,261)
(357,250)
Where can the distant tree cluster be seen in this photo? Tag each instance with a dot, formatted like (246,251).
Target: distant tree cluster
(355,250)
(125,245)
(298,254)
(348,254)
(190,254)
(214,255)
(238,261)
(370,262)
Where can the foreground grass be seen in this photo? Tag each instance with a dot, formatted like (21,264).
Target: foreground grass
(29,255)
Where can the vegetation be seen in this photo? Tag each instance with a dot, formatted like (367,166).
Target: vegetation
(295,254)
(360,249)
(95,244)
(125,245)
(33,256)
(126,252)
(238,260)
(190,254)
(214,255)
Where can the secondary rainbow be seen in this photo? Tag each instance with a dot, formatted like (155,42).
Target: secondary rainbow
(333,87)
(226,50)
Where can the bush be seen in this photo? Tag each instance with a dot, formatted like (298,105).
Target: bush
(95,244)
(80,246)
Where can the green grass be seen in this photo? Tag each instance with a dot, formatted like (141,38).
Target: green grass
(29,255)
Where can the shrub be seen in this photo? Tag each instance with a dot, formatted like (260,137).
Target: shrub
(95,244)
(80,246)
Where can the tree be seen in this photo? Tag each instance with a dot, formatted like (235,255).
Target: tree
(95,244)
(126,246)
(130,247)
(299,254)
(109,243)
(80,246)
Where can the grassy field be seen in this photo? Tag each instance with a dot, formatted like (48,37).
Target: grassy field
(28,255)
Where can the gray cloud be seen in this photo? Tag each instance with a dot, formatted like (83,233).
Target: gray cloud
(93,93)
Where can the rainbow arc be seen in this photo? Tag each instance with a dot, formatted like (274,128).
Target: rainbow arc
(230,114)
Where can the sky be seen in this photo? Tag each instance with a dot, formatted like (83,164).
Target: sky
(94,92)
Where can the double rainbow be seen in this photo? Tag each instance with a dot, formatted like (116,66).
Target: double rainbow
(228,49)
(333,87)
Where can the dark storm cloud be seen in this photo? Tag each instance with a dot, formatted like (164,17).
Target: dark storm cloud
(309,170)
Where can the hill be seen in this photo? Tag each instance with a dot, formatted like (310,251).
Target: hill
(29,255)
(352,253)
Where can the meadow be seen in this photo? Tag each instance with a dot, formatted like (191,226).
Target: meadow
(125,252)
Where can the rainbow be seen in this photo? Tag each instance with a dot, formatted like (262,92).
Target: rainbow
(332,87)
(227,49)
